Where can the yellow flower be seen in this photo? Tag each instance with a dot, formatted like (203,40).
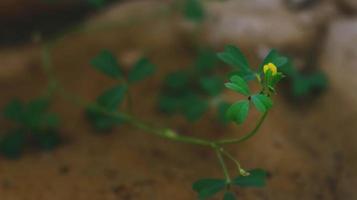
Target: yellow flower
(271,67)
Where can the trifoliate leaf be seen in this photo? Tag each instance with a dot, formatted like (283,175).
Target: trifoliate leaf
(262,102)
(106,63)
(142,69)
(257,178)
(238,112)
(239,85)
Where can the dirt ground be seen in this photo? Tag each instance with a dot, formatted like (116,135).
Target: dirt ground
(309,150)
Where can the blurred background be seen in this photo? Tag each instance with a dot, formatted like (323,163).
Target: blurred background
(307,144)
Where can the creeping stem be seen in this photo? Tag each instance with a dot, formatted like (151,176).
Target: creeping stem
(247,136)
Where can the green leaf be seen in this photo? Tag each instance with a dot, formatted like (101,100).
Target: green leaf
(222,109)
(168,104)
(238,112)
(194,107)
(257,178)
(239,85)
(106,63)
(112,98)
(262,102)
(205,61)
(14,110)
(275,58)
(229,196)
(212,85)
(177,81)
(207,188)
(38,106)
(12,144)
(109,101)
(102,122)
(142,69)
(194,11)
(235,58)
(47,140)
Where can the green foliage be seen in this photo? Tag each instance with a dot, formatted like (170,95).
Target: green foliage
(212,85)
(141,70)
(13,144)
(100,113)
(239,85)
(32,123)
(187,92)
(302,85)
(257,178)
(207,188)
(238,112)
(229,196)
(109,101)
(236,59)
(106,63)
(222,110)
(262,102)
(194,11)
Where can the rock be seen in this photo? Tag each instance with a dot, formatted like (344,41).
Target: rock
(339,57)
(266,23)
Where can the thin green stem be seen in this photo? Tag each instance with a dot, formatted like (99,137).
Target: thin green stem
(247,136)
(223,165)
(236,162)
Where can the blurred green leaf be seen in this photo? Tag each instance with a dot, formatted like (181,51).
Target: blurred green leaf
(235,58)
(168,104)
(206,61)
(112,98)
(106,63)
(257,178)
(109,101)
(102,122)
(194,11)
(194,107)
(222,110)
(229,196)
(142,69)
(47,140)
(262,102)
(239,85)
(238,112)
(14,110)
(12,144)
(207,188)
(177,80)
(213,85)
